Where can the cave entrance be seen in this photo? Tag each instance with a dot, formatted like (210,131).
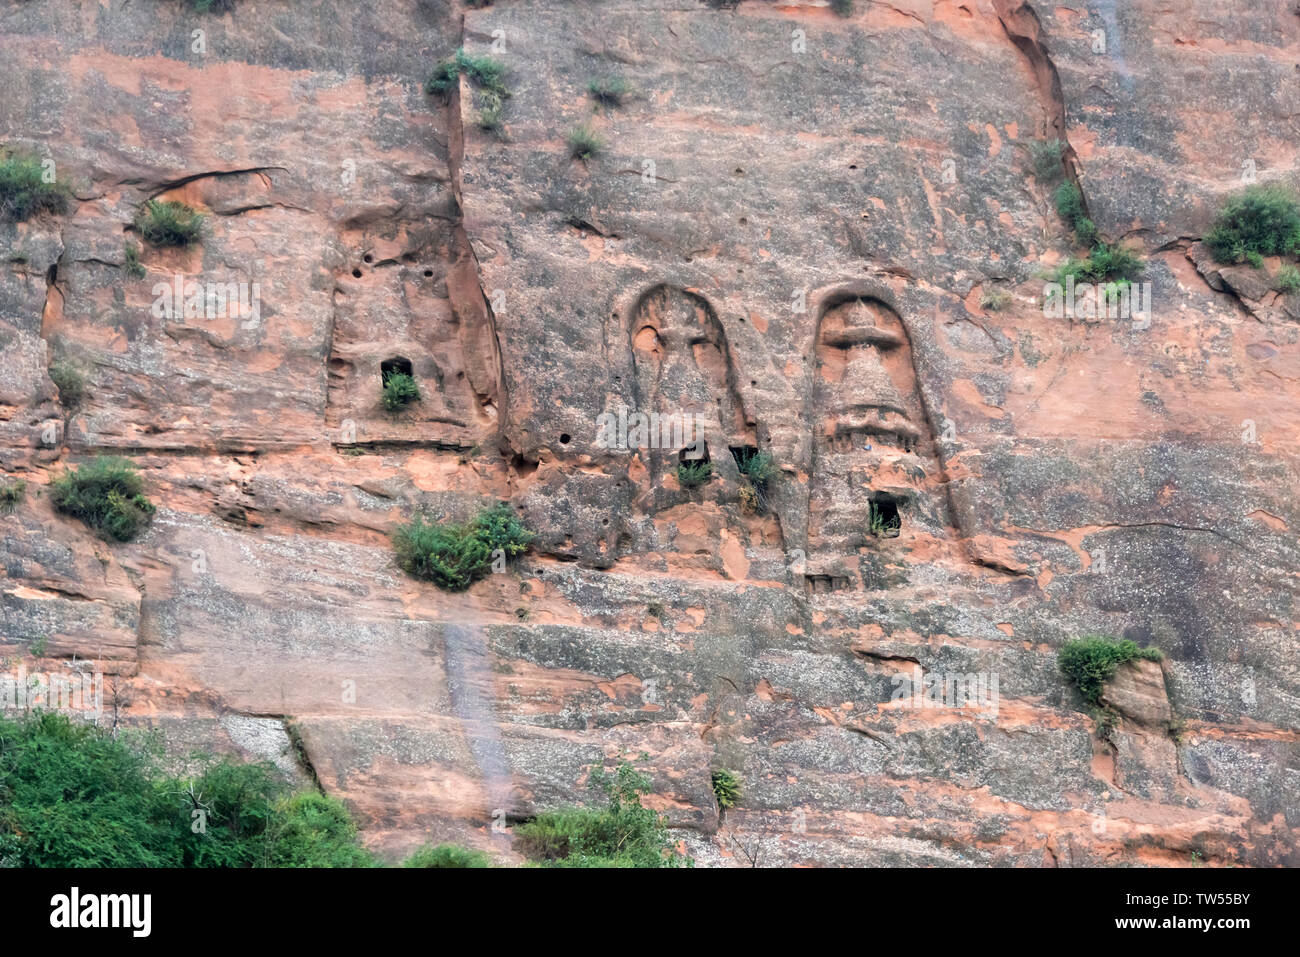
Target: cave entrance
(886,522)
(391,367)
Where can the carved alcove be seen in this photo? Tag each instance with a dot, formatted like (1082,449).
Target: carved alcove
(401,318)
(684,374)
(871,439)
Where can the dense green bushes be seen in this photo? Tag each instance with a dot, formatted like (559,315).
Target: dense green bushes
(24,191)
(107,494)
(1259,221)
(455,556)
(1105,261)
(73,795)
(1091,662)
(621,834)
(694,474)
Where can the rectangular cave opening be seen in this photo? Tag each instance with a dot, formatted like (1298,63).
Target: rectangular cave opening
(886,522)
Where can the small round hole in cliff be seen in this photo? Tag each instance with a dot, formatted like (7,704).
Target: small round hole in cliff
(744,221)
(356,274)
(367,258)
(565,438)
(428,274)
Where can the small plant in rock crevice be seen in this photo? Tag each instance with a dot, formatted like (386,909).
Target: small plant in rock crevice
(584,143)
(168,223)
(609,91)
(1045,160)
(726,788)
(11,493)
(131,262)
(70,381)
(24,190)
(882,522)
(694,474)
(1287,280)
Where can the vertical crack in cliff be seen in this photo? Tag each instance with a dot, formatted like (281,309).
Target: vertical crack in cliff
(469,303)
(1025,31)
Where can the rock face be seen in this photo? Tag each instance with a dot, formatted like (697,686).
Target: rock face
(791,236)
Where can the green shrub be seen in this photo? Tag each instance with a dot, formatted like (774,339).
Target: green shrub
(107,494)
(621,834)
(448,855)
(313,830)
(75,795)
(71,383)
(168,223)
(11,493)
(759,467)
(843,8)
(399,391)
(726,788)
(1045,159)
(694,474)
(455,556)
(609,91)
(485,72)
(1255,260)
(491,114)
(499,527)
(24,191)
(1288,279)
(1104,262)
(1091,662)
(995,300)
(1069,203)
(584,143)
(1264,220)
(213,6)
(132,263)
(884,524)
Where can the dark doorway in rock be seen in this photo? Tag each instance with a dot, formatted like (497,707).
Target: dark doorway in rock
(885,519)
(697,454)
(743,454)
(393,366)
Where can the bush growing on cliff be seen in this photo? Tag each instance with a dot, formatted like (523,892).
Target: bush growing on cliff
(1069,203)
(1263,220)
(1045,160)
(1091,662)
(1288,279)
(726,788)
(622,834)
(74,795)
(455,556)
(1105,262)
(609,91)
(107,494)
(448,855)
(70,382)
(24,191)
(168,223)
(485,72)
(11,493)
(584,143)
(694,474)
(400,390)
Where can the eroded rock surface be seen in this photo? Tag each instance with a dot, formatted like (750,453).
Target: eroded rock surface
(788,235)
